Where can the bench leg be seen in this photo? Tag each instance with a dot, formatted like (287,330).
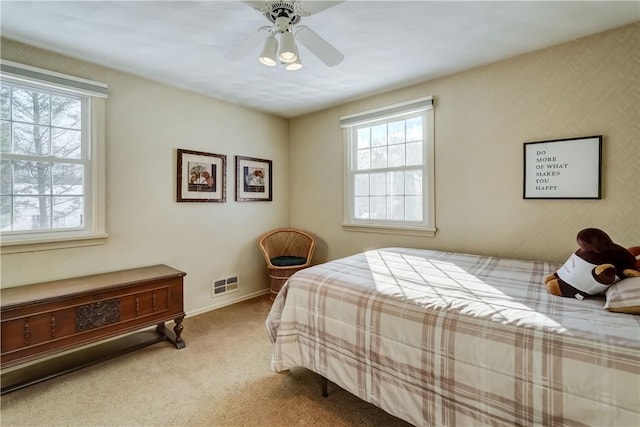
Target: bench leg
(178,330)
(175,336)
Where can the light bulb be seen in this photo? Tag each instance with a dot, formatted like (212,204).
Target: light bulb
(295,65)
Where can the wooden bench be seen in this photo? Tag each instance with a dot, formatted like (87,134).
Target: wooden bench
(47,318)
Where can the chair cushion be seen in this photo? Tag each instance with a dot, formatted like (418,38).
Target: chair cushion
(286,261)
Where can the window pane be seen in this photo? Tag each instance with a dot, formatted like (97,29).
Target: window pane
(396,132)
(378,207)
(67,212)
(5,103)
(414,129)
(361,185)
(377,184)
(31,140)
(31,107)
(414,154)
(413,208)
(396,155)
(31,213)
(364,159)
(364,137)
(68,179)
(31,177)
(67,143)
(361,208)
(395,207)
(5,213)
(66,112)
(379,135)
(395,183)
(5,136)
(5,177)
(379,157)
(413,182)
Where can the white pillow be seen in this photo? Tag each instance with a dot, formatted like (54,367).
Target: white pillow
(624,296)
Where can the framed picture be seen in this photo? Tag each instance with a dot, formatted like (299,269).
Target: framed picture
(201,177)
(253,180)
(563,168)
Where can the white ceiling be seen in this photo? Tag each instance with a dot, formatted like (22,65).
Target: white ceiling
(386,44)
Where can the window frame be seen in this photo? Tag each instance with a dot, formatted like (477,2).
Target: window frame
(350,124)
(93,232)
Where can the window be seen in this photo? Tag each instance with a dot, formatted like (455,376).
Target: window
(52,159)
(389,169)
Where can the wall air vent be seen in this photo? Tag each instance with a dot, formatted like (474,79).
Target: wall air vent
(224,286)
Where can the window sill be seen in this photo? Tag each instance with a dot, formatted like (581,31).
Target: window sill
(45,244)
(391,229)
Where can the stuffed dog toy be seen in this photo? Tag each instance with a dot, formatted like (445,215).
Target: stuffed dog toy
(635,251)
(597,264)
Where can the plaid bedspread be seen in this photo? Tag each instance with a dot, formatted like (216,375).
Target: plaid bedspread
(447,339)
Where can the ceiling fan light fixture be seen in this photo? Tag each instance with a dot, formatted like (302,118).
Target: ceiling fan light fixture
(286,32)
(269,52)
(287,47)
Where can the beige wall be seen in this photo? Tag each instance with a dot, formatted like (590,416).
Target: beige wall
(586,87)
(482,118)
(146,123)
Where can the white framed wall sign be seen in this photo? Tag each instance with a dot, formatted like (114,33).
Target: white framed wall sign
(563,168)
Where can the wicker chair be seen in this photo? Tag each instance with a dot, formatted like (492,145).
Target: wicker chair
(286,251)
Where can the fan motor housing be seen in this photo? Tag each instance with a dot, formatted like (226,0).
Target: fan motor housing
(282,9)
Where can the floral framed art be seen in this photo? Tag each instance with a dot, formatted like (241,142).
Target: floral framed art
(254,180)
(201,177)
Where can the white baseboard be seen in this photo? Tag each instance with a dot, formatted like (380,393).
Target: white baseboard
(227,302)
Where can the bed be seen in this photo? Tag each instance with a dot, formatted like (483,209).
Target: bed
(441,338)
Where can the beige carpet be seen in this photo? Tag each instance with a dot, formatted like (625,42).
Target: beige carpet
(222,378)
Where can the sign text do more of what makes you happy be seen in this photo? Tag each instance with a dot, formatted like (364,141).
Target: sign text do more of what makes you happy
(563,169)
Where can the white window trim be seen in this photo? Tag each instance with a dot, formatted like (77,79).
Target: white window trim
(428,227)
(95,234)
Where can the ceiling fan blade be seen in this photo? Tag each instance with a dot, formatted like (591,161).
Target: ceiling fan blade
(243,48)
(261,6)
(307,8)
(318,46)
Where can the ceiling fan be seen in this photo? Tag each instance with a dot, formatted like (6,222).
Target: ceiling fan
(285,17)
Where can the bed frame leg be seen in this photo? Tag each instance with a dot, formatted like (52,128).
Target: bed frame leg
(325,384)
